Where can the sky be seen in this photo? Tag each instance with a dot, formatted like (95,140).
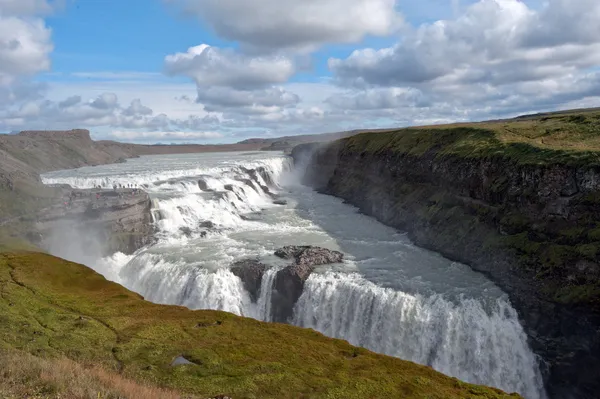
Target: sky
(221,71)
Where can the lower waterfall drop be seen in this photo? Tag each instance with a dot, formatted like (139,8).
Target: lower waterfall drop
(461,340)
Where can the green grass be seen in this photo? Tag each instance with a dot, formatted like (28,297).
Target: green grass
(559,139)
(52,308)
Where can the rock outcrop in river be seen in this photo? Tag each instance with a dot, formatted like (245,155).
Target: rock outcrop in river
(251,272)
(527,217)
(289,281)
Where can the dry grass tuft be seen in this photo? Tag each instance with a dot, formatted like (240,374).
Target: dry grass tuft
(25,376)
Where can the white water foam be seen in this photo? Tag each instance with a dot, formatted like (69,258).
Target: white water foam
(263,304)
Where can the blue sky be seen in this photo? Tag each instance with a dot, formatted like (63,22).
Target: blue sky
(225,70)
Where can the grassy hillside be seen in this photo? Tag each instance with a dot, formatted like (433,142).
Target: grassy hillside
(61,312)
(563,138)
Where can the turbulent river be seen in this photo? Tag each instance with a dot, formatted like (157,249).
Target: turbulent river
(388,296)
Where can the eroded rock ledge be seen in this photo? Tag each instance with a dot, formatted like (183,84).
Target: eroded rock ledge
(97,222)
(534,229)
(289,281)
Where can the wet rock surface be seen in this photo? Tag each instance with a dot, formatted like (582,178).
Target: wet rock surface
(289,281)
(307,255)
(100,221)
(204,186)
(207,225)
(251,272)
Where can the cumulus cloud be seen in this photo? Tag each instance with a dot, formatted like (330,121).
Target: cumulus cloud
(209,65)
(25,45)
(499,57)
(270,25)
(494,40)
(136,108)
(221,98)
(72,111)
(25,7)
(233,83)
(69,102)
(170,136)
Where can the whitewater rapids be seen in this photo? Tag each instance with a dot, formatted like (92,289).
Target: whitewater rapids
(388,296)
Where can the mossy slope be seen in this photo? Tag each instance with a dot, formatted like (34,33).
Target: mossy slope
(569,139)
(51,307)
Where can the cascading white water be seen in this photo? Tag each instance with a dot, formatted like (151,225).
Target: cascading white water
(460,339)
(389,296)
(263,304)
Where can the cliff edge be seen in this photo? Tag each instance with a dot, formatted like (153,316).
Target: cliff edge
(518,200)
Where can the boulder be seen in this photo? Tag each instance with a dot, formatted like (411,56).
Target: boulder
(280,202)
(207,224)
(203,185)
(309,255)
(250,271)
(288,286)
(289,281)
(186,231)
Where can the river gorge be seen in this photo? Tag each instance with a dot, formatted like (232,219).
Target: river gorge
(388,295)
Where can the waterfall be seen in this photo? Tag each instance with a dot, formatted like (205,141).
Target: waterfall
(462,340)
(263,304)
(473,338)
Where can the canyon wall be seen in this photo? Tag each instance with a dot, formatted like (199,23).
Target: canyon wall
(90,224)
(528,218)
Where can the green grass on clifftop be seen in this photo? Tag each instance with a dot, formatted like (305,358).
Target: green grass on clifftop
(52,309)
(552,139)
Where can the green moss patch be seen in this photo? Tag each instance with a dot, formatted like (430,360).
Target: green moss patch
(534,141)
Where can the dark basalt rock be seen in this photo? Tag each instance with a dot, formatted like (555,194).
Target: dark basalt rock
(280,202)
(251,216)
(203,186)
(250,271)
(207,225)
(289,281)
(186,231)
(228,187)
(309,255)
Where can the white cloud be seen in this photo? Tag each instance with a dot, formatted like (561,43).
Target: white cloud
(495,40)
(269,25)
(24,7)
(25,46)
(69,102)
(212,66)
(500,57)
(221,98)
(136,108)
(129,135)
(233,83)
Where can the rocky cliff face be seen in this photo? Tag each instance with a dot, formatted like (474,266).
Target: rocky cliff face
(96,223)
(534,229)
